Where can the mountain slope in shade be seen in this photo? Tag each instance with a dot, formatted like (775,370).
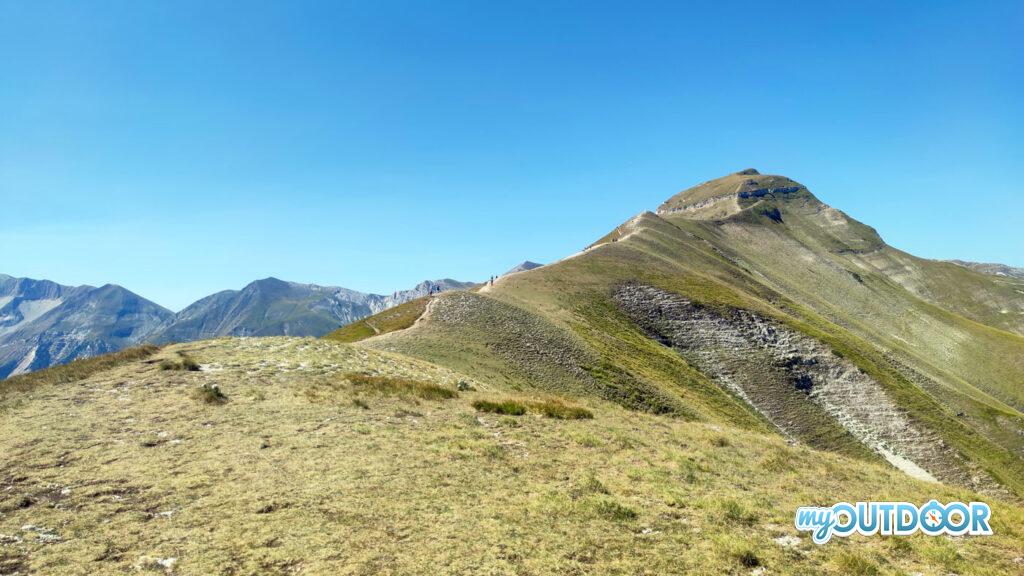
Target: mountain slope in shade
(747,297)
(272,307)
(264,308)
(43,323)
(22,300)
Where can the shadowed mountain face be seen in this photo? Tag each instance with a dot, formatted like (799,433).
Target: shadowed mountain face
(264,308)
(43,323)
(273,307)
(746,296)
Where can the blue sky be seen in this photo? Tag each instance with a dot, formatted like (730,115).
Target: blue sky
(181,148)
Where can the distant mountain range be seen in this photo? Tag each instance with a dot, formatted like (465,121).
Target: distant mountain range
(43,323)
(273,307)
(993,269)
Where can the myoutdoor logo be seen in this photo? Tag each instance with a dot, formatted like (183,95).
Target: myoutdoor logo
(893,519)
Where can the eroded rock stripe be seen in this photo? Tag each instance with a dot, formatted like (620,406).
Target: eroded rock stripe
(764,363)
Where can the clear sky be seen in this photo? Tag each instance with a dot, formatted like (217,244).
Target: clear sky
(179,148)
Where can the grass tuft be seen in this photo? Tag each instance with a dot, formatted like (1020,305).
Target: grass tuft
(210,394)
(397,386)
(855,564)
(611,510)
(556,409)
(735,512)
(184,362)
(549,408)
(748,558)
(507,407)
(589,484)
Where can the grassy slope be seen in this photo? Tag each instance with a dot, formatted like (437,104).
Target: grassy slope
(817,271)
(291,475)
(72,371)
(972,373)
(809,258)
(398,318)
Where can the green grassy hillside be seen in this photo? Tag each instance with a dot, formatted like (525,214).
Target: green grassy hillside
(398,318)
(932,346)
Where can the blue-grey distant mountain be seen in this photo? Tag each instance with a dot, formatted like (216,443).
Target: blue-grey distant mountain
(272,307)
(522,267)
(993,269)
(43,323)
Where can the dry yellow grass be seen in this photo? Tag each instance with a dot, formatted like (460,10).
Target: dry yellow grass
(126,468)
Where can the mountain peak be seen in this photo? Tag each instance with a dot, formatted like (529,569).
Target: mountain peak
(522,267)
(269,283)
(730,194)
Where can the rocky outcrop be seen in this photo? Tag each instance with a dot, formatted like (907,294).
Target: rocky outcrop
(796,382)
(425,288)
(761,192)
(723,197)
